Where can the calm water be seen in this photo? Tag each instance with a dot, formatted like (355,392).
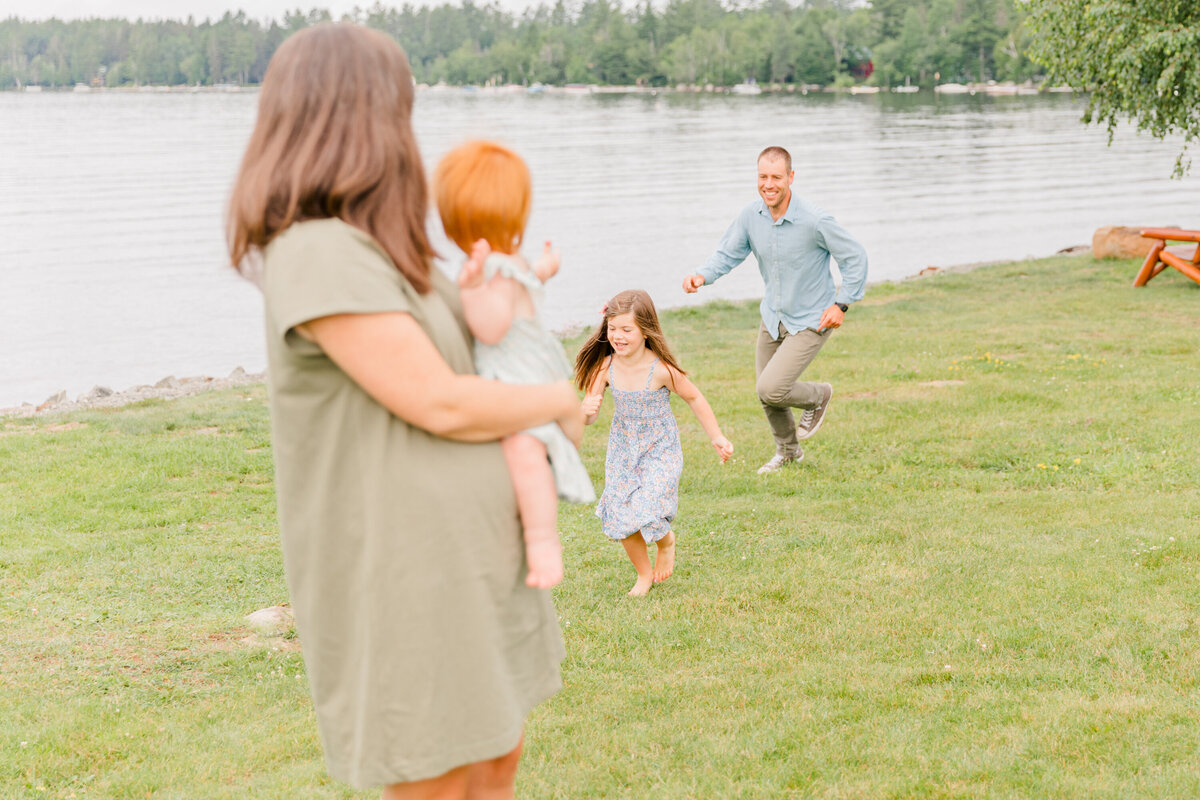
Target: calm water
(112,265)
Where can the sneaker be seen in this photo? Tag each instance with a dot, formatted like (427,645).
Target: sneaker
(779,460)
(812,418)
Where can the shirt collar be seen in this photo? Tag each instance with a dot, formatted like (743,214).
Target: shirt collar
(791,215)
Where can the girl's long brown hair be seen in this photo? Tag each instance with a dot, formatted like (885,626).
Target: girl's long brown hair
(597,348)
(334,138)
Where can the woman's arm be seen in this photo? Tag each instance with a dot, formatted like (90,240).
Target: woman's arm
(394,361)
(683,386)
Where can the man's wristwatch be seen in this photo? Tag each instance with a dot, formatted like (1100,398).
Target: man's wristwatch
(842,306)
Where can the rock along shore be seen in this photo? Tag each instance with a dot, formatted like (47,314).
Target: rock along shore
(104,397)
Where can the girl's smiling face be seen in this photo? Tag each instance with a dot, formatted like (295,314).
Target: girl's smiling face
(624,335)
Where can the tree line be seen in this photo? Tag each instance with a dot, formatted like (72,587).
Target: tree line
(693,42)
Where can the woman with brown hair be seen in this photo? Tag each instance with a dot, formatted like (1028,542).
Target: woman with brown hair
(424,648)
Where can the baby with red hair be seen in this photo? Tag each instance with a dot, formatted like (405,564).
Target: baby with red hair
(483,197)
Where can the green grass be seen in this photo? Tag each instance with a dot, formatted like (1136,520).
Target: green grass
(981,582)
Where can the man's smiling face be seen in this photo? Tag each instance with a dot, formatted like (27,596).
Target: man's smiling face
(774,183)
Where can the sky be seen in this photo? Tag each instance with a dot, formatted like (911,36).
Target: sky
(200,9)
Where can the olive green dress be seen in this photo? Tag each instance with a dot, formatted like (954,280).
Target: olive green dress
(424,648)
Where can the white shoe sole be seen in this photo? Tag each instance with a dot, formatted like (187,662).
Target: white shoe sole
(803,434)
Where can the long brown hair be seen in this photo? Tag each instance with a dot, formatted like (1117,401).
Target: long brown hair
(334,138)
(597,347)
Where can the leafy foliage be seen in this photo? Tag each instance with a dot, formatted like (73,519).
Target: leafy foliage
(1137,58)
(693,42)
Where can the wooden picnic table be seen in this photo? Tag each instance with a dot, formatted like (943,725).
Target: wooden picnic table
(1159,257)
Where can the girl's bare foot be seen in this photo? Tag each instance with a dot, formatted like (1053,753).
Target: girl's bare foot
(664,562)
(641,587)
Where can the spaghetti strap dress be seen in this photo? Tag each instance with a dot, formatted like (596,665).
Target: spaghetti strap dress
(643,464)
(529,353)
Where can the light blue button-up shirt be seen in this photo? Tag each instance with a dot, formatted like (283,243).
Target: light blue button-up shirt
(793,257)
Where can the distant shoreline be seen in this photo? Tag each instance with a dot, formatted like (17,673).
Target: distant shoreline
(991,88)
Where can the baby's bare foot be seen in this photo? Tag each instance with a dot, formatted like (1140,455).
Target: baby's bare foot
(545,564)
(664,562)
(641,587)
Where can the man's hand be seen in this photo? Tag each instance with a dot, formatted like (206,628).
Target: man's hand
(693,282)
(832,318)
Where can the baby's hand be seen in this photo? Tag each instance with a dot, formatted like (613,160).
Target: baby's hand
(471,275)
(546,267)
(724,448)
(591,405)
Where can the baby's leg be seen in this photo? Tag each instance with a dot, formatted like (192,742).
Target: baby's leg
(635,548)
(664,562)
(537,500)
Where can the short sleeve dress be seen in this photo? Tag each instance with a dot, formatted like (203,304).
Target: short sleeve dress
(424,648)
(529,353)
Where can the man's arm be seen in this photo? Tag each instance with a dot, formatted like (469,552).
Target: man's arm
(851,258)
(732,250)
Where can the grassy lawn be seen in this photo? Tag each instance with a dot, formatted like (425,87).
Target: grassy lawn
(982,581)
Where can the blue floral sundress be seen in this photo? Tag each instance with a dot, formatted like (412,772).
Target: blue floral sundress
(643,464)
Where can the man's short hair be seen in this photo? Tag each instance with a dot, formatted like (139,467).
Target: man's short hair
(774,151)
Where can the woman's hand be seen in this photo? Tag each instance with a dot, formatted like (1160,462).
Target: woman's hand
(724,448)
(591,405)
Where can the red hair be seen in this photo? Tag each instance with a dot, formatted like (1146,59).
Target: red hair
(483,192)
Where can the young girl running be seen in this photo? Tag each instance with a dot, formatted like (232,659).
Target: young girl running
(483,197)
(641,470)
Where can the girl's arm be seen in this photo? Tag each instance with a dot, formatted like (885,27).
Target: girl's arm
(487,305)
(488,308)
(546,267)
(591,402)
(682,386)
(395,362)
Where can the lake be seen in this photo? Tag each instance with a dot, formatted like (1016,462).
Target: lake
(113,269)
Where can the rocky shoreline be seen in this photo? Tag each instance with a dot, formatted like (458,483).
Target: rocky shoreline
(168,388)
(171,387)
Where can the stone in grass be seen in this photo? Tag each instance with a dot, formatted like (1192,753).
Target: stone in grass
(237,374)
(1120,241)
(273,621)
(53,400)
(169,382)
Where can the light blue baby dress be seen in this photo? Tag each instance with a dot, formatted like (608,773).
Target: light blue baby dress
(529,353)
(643,464)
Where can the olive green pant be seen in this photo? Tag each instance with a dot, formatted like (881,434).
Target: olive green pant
(777,365)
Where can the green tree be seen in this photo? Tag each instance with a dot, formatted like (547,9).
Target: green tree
(1137,59)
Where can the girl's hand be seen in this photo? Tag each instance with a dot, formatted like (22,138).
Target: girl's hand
(471,275)
(724,448)
(546,267)
(591,405)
